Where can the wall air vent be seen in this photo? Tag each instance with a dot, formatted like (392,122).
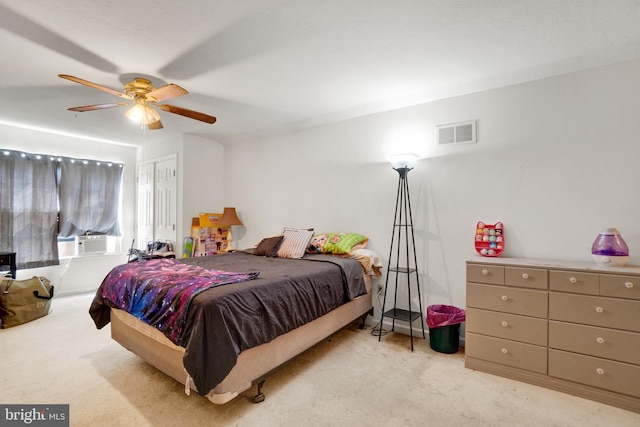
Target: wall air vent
(457,133)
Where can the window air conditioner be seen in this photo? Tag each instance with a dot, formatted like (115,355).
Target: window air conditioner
(91,244)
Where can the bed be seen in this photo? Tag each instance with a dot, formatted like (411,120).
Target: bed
(233,335)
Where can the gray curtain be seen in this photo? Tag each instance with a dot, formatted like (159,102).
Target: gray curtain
(28,208)
(89,194)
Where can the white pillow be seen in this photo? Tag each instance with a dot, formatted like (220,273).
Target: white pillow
(295,242)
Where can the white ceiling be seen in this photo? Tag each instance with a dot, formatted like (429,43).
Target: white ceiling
(263,67)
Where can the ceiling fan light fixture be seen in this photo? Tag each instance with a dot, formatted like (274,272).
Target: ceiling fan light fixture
(135,113)
(142,114)
(151,115)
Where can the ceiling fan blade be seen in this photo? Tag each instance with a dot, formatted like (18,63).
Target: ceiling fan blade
(163,93)
(155,125)
(188,113)
(94,85)
(98,106)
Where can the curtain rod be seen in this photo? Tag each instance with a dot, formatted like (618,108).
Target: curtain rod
(52,157)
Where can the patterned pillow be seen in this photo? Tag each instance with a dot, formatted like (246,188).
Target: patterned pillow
(268,246)
(336,243)
(295,242)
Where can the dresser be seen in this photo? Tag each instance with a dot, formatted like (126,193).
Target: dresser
(568,326)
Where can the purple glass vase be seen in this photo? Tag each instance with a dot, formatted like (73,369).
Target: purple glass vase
(610,249)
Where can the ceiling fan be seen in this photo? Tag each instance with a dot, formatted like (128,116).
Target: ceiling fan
(142,97)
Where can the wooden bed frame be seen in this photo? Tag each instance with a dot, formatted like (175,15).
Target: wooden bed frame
(253,365)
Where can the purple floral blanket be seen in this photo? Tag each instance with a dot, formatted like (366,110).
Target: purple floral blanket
(159,292)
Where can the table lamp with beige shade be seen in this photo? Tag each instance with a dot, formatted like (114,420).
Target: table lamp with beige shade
(228,220)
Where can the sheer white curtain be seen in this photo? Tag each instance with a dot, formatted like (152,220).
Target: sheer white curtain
(28,208)
(89,194)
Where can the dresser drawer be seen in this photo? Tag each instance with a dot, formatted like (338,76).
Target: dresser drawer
(612,285)
(527,302)
(531,330)
(480,273)
(571,281)
(526,277)
(505,352)
(606,374)
(598,311)
(611,344)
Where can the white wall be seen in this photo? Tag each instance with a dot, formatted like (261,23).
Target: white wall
(86,273)
(556,161)
(203,179)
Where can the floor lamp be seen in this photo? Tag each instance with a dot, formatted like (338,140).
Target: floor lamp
(406,262)
(228,220)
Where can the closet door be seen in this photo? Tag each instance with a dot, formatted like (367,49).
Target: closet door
(156,204)
(165,211)
(144,205)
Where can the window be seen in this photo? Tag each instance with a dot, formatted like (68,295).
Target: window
(28,208)
(43,196)
(89,195)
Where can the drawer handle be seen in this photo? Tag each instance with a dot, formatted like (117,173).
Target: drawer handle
(505,298)
(628,285)
(504,350)
(525,276)
(600,340)
(573,280)
(600,371)
(599,310)
(505,324)
(485,271)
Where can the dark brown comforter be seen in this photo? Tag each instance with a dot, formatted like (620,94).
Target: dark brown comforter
(224,321)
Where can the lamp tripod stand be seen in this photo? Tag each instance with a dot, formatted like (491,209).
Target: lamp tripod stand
(406,263)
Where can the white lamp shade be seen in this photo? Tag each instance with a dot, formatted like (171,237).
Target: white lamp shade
(402,161)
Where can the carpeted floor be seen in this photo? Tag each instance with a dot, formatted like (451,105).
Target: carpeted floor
(352,380)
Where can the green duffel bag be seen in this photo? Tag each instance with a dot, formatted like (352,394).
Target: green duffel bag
(22,301)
